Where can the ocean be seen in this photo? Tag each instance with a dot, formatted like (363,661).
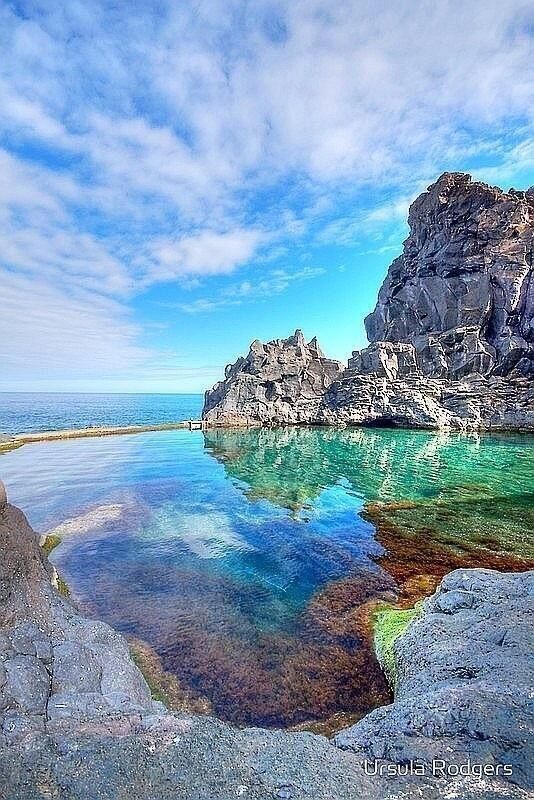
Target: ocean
(24,412)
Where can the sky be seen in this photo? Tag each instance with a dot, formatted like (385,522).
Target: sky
(180,178)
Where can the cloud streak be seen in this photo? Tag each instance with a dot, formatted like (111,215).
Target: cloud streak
(277,282)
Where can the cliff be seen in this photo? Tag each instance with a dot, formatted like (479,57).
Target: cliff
(462,294)
(77,721)
(451,337)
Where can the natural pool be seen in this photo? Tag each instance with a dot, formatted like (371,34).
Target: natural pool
(251,562)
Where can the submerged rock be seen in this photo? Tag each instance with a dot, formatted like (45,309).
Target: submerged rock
(451,337)
(77,720)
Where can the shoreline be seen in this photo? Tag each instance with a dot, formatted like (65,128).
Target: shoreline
(85,707)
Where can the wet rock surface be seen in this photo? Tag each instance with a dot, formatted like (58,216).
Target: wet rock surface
(451,337)
(77,719)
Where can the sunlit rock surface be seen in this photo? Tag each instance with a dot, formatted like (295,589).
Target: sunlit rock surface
(283,381)
(451,337)
(462,293)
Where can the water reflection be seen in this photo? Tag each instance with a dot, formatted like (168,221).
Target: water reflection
(252,560)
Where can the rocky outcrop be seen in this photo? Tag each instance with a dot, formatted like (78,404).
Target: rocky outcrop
(452,335)
(464,676)
(281,382)
(491,404)
(77,721)
(462,292)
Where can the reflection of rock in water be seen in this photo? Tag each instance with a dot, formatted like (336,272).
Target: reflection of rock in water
(470,492)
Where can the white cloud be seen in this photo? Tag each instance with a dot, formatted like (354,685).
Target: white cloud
(203,253)
(47,333)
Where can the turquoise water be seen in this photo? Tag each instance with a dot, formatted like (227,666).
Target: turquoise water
(250,561)
(22,412)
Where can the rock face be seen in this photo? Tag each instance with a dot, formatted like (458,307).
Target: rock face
(451,337)
(281,382)
(77,721)
(464,673)
(462,292)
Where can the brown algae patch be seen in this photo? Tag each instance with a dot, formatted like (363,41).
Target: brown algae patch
(424,540)
(322,676)
(164,685)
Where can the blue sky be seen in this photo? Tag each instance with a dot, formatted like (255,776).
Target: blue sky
(177,179)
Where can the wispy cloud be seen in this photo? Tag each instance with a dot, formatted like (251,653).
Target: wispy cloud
(277,282)
(204,253)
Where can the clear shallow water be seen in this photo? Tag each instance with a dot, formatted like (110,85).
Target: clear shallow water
(251,560)
(22,412)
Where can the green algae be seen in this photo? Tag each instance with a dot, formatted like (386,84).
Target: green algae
(62,587)
(388,624)
(156,691)
(51,541)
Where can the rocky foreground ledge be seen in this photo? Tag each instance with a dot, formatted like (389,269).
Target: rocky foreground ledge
(78,722)
(451,337)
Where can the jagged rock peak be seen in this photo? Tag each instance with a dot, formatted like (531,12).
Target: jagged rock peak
(462,291)
(280,381)
(452,334)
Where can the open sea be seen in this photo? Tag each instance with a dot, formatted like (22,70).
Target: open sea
(22,412)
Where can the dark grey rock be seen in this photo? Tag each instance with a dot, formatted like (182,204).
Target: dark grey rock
(452,334)
(75,669)
(462,291)
(465,672)
(27,684)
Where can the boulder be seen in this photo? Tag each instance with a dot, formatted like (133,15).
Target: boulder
(387,359)
(464,676)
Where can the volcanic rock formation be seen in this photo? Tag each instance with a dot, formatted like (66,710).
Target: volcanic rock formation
(283,381)
(462,293)
(451,337)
